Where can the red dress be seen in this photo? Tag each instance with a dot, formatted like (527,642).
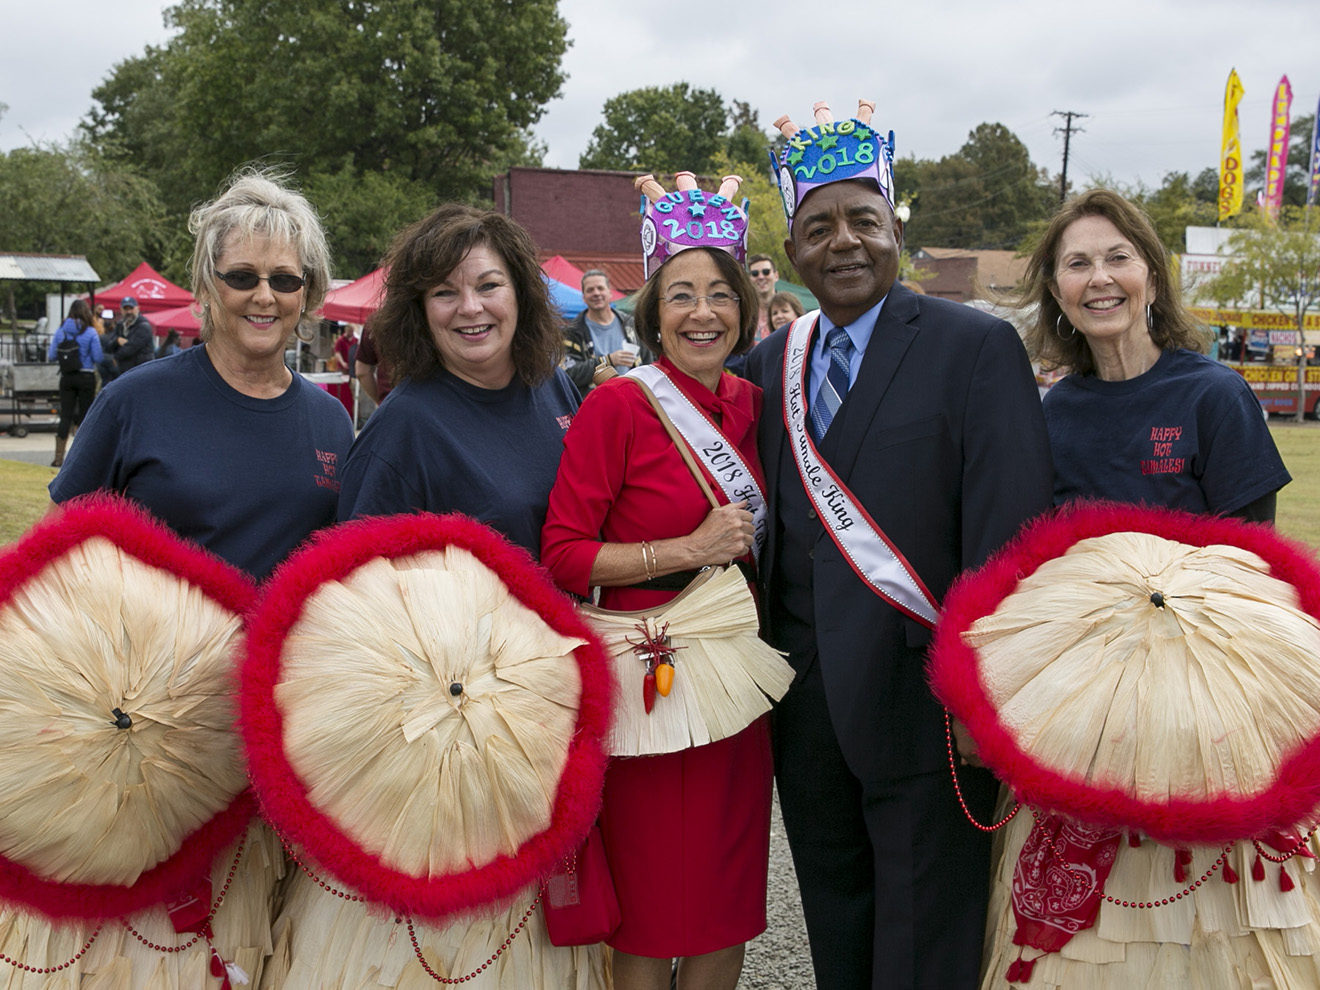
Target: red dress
(687,834)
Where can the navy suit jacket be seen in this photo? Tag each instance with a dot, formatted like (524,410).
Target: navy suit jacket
(942,440)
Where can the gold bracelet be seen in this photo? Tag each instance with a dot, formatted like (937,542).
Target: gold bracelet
(648,559)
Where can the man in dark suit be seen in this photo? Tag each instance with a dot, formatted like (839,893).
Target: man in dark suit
(924,414)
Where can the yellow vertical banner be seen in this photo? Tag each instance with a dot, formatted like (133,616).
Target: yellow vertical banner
(1276,162)
(1230,152)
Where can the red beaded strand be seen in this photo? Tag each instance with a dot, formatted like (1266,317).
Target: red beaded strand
(229,879)
(417,948)
(957,788)
(44,970)
(1301,844)
(313,877)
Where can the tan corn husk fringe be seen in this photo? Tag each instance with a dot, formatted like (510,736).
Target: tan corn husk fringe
(325,941)
(80,800)
(119,961)
(1248,935)
(431,781)
(1200,699)
(724,676)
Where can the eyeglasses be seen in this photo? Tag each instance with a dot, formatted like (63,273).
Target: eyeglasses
(245,281)
(716,300)
(757,273)
(1082,268)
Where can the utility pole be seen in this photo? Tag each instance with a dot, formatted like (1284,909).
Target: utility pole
(1067,130)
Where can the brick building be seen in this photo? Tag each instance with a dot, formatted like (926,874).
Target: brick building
(588,217)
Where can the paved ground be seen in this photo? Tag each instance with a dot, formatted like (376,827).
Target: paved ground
(38,447)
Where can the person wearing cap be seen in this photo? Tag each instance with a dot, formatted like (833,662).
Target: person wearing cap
(134,340)
(903,442)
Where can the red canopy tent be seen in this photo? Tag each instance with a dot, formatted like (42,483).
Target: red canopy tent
(152,290)
(180,318)
(355,302)
(562,270)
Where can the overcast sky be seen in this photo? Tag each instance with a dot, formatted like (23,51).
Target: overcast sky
(1149,73)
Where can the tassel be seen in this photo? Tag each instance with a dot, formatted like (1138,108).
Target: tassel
(1230,874)
(1182,858)
(1258,869)
(1285,882)
(1014,971)
(1024,971)
(219,971)
(1134,840)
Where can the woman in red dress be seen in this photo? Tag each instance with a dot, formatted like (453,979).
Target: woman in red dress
(686,833)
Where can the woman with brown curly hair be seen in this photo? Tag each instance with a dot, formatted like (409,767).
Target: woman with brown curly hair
(477,419)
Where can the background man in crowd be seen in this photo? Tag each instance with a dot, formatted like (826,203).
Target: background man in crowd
(928,414)
(600,335)
(765,277)
(134,341)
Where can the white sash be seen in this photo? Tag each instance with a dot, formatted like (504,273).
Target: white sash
(718,454)
(877,561)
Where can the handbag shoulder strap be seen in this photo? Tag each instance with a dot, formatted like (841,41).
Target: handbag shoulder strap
(684,450)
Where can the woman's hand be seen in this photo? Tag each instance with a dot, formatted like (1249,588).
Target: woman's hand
(724,535)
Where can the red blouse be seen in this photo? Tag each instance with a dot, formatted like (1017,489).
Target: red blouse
(622,480)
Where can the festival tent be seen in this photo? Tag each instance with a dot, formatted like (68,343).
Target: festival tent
(355,302)
(564,271)
(150,288)
(180,318)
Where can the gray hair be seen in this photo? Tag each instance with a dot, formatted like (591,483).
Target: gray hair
(260,202)
(592,272)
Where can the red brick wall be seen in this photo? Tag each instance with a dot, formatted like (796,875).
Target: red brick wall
(573,212)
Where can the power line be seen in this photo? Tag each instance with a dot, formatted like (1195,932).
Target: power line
(1067,129)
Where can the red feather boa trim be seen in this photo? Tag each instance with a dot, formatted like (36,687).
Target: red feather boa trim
(137,534)
(954,675)
(332,555)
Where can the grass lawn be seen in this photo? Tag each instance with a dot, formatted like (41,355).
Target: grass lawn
(23,497)
(1299,502)
(23,488)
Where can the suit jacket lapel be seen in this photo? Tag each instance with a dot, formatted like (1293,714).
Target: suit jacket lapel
(894,332)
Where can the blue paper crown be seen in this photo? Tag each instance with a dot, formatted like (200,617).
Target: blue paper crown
(832,151)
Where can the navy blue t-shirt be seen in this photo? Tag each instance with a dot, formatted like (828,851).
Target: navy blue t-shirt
(1187,434)
(442,444)
(249,479)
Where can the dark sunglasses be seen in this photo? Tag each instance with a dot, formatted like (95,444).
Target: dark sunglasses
(244,281)
(763,271)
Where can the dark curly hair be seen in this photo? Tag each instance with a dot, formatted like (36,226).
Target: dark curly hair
(1173,327)
(646,311)
(424,254)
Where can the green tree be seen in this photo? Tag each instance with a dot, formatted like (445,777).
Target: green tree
(413,92)
(70,200)
(1179,203)
(1277,263)
(660,129)
(986,195)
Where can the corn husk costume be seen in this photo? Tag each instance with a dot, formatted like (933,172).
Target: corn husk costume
(129,854)
(1147,683)
(423,715)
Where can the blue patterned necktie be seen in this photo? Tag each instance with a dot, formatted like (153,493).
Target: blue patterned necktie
(835,385)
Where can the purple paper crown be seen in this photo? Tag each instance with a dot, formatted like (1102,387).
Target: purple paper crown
(688,218)
(831,151)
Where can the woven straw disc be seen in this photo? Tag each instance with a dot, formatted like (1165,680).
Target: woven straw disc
(96,629)
(427,711)
(1202,698)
